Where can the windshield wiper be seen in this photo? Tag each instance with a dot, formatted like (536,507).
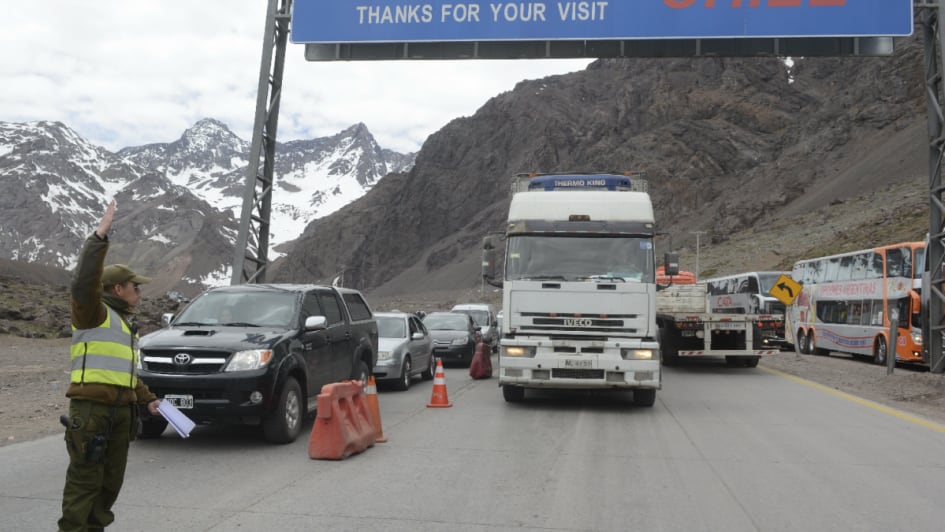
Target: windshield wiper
(545,278)
(239,324)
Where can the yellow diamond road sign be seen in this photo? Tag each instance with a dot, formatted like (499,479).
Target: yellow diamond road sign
(785,289)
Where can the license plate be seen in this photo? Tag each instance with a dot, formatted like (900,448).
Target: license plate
(572,363)
(731,326)
(180,401)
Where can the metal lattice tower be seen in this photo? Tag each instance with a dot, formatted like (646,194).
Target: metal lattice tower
(251,255)
(929,14)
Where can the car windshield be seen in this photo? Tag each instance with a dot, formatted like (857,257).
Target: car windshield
(391,327)
(481,317)
(241,309)
(446,322)
(571,258)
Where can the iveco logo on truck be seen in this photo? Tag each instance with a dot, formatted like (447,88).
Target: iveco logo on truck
(578,322)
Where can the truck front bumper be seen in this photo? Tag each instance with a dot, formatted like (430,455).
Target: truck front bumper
(578,365)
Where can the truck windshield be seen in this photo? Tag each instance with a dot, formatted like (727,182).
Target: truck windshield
(242,309)
(580,258)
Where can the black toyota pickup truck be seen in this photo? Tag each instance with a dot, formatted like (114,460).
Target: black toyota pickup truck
(258,354)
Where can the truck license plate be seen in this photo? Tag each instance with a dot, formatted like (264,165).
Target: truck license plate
(572,363)
(180,401)
(731,326)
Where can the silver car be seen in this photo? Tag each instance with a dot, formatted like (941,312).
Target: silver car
(404,350)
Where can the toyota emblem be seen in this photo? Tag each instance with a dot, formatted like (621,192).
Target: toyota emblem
(182,359)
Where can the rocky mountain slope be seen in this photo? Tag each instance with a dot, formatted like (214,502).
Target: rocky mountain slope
(178,202)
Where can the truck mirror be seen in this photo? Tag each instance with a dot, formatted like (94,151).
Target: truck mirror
(916,302)
(671,264)
(488,263)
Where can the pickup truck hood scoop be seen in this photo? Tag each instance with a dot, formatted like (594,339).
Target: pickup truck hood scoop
(213,338)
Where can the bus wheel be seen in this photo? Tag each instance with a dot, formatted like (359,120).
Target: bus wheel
(879,351)
(802,342)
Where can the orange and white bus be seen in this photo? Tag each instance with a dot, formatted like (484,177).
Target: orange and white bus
(846,301)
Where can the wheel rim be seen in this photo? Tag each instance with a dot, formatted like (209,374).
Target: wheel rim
(406,375)
(881,352)
(291,410)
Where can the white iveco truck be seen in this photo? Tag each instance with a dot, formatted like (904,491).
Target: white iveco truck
(579,290)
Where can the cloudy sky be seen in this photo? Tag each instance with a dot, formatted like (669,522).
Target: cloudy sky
(132,72)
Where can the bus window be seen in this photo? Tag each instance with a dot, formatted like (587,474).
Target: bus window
(861,263)
(894,265)
(876,272)
(877,318)
(818,275)
(906,262)
(865,312)
(854,316)
(833,269)
(845,273)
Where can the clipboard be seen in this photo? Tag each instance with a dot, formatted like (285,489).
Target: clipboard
(177,419)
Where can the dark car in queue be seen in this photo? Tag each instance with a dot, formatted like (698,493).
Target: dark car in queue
(404,349)
(455,336)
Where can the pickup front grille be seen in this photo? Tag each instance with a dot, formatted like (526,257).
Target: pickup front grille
(180,362)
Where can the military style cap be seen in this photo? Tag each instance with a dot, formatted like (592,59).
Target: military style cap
(121,274)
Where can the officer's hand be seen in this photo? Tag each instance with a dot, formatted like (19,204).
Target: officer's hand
(153,407)
(106,223)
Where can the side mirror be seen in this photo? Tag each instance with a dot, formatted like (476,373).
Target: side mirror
(671,263)
(417,336)
(166,319)
(488,261)
(315,323)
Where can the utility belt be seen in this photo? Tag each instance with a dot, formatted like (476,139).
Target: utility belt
(89,428)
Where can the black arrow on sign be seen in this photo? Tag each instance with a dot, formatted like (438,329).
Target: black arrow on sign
(786,288)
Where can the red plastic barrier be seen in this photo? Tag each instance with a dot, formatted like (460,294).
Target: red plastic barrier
(481,366)
(342,425)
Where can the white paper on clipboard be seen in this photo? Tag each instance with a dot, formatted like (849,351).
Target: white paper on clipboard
(177,419)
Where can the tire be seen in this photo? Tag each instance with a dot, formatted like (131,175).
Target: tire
(285,423)
(879,351)
(644,397)
(802,346)
(668,348)
(513,394)
(751,362)
(152,427)
(430,372)
(403,384)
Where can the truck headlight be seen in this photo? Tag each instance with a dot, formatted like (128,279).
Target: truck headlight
(249,360)
(383,355)
(519,351)
(639,354)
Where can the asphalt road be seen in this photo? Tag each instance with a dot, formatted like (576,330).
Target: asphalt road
(722,449)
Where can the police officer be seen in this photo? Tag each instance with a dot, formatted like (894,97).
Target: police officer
(104,389)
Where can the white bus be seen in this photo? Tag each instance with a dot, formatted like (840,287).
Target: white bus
(846,300)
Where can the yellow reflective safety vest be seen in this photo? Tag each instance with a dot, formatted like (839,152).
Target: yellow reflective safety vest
(106,354)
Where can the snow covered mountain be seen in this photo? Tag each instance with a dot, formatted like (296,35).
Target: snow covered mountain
(175,199)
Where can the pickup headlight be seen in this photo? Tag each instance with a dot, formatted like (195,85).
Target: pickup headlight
(383,355)
(519,351)
(249,360)
(639,354)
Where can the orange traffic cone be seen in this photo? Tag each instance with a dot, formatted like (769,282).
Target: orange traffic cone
(439,398)
(374,410)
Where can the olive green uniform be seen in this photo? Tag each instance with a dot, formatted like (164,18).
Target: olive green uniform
(97,412)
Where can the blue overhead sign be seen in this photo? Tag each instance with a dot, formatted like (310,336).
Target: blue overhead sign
(376,21)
